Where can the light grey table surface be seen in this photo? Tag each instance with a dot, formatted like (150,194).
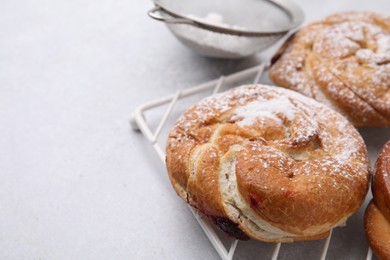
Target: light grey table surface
(76,181)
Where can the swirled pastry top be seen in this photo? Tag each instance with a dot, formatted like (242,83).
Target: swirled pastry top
(342,61)
(269,162)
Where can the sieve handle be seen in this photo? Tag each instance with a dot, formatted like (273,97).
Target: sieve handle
(154,13)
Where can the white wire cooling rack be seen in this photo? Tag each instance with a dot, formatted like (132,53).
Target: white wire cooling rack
(139,123)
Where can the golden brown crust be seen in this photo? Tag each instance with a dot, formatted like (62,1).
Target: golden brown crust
(344,62)
(277,165)
(377,218)
(381,181)
(378,231)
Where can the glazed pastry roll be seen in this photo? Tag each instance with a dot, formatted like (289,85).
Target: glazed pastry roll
(342,61)
(268,163)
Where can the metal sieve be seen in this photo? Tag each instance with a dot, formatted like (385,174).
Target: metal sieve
(228,28)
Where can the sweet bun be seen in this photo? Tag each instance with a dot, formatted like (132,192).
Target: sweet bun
(268,163)
(342,61)
(377,216)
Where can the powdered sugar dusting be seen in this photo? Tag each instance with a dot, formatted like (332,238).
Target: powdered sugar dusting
(379,56)
(297,119)
(273,108)
(383,44)
(347,66)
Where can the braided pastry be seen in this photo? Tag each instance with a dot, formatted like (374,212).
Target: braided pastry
(377,216)
(268,163)
(342,61)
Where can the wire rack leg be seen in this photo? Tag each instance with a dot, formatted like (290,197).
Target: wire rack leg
(259,73)
(212,236)
(133,123)
(233,247)
(276,251)
(166,114)
(369,254)
(326,246)
(219,84)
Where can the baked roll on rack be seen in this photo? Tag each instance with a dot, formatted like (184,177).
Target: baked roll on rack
(377,216)
(342,61)
(268,163)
